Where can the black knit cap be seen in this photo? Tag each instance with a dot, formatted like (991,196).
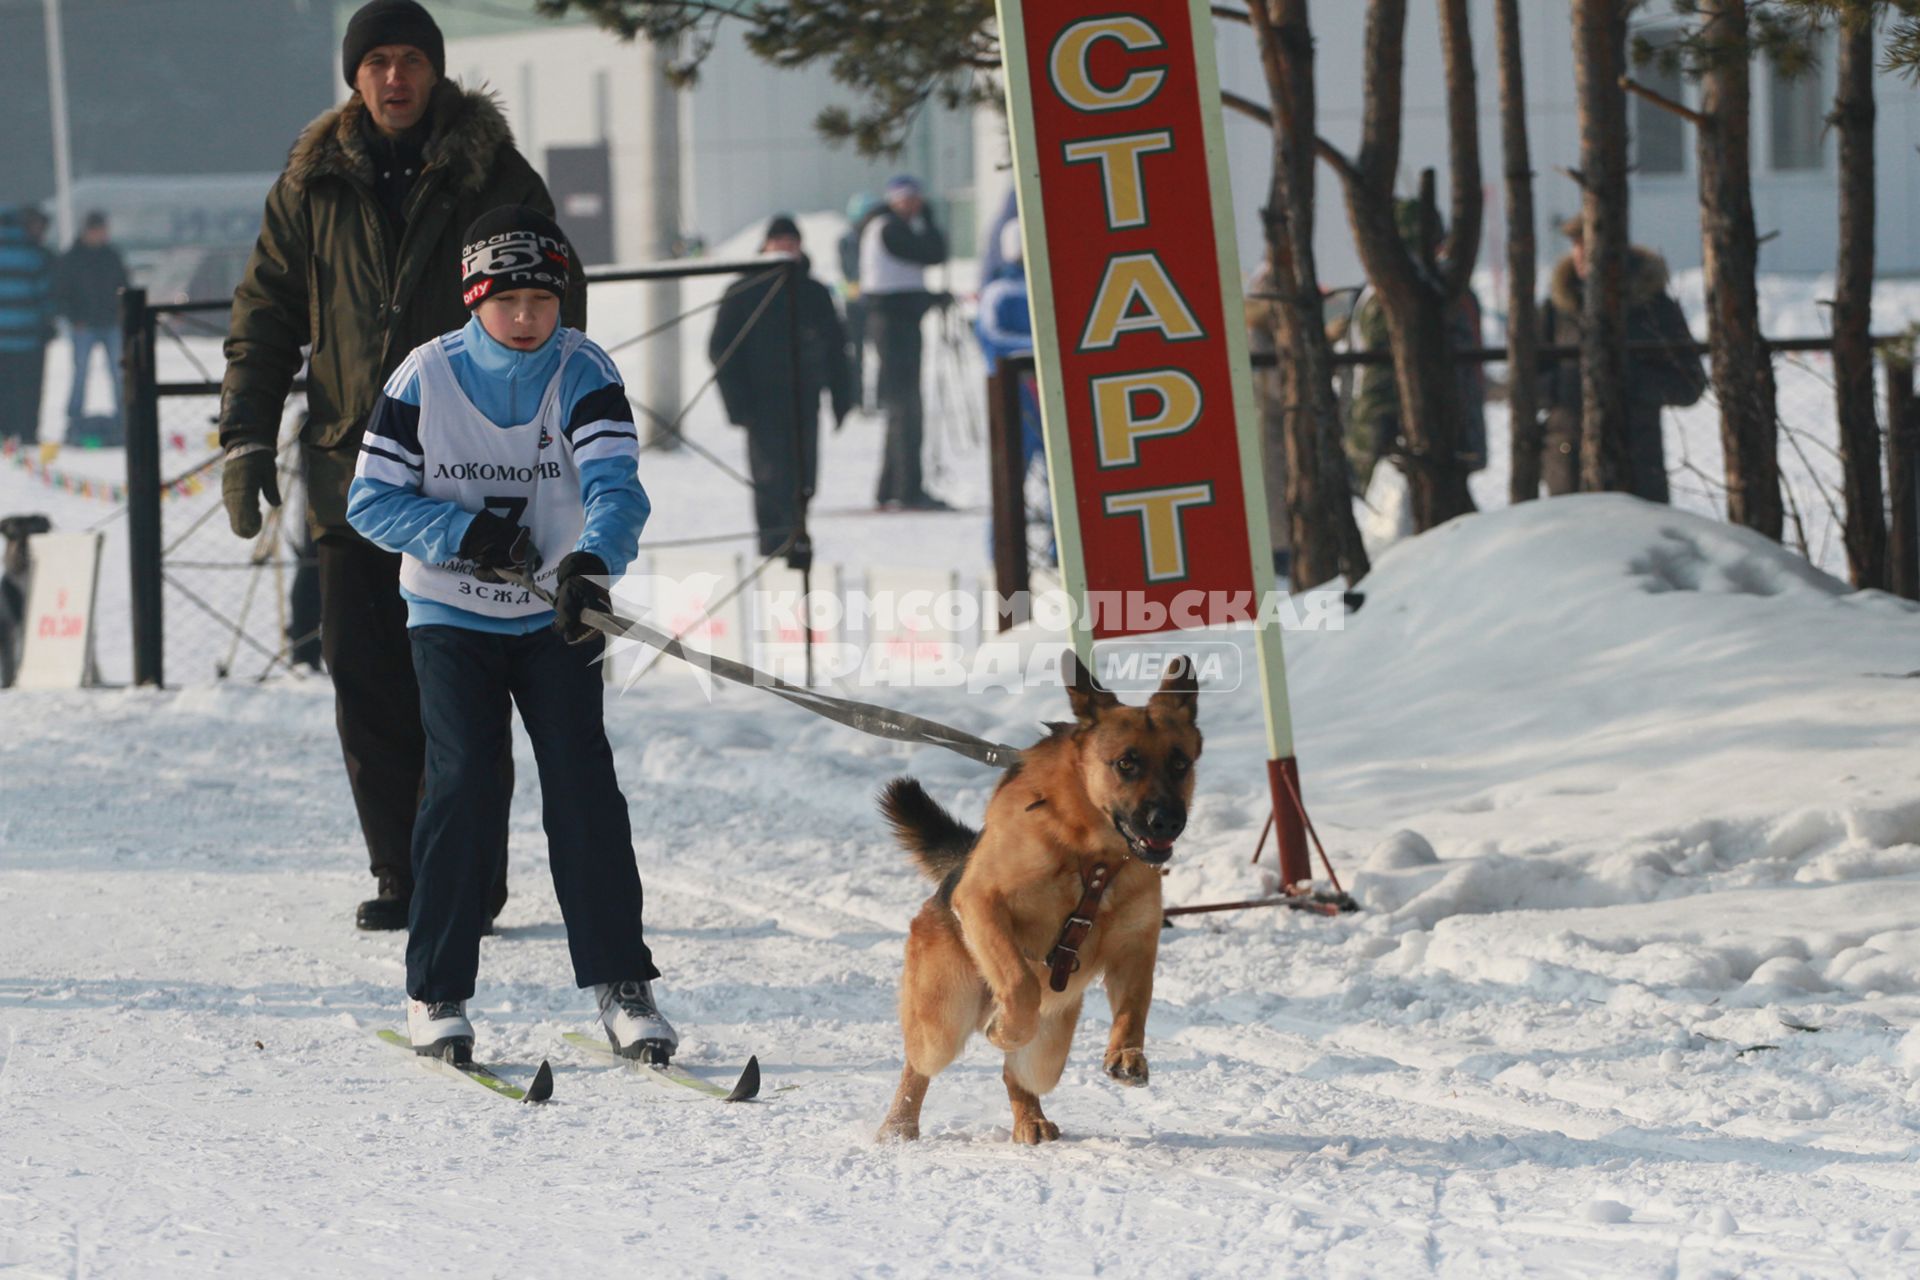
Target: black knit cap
(781,225)
(512,247)
(391,22)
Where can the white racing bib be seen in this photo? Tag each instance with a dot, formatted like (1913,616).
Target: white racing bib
(525,472)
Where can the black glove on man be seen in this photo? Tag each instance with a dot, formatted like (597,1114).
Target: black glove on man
(495,543)
(249,473)
(574,590)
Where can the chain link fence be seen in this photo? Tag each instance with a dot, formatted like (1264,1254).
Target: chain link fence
(202,604)
(1809,450)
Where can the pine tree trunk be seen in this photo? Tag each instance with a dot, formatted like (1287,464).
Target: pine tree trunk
(1414,299)
(1599,51)
(1853,120)
(1522,258)
(1741,368)
(1326,538)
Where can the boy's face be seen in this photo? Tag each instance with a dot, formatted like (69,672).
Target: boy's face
(520,318)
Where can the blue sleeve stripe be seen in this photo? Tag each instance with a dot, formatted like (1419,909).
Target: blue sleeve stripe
(405,382)
(593,352)
(367,447)
(609,434)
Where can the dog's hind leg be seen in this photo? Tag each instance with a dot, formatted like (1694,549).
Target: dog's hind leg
(903,1117)
(942,1001)
(1034,1068)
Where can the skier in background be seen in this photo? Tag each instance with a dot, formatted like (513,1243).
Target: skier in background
(502,451)
(897,246)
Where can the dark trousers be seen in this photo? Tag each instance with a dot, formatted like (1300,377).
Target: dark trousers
(86,340)
(376,703)
(469,680)
(894,323)
(780,461)
(21,373)
(857,349)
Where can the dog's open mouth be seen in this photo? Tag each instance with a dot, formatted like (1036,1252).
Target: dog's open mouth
(1146,848)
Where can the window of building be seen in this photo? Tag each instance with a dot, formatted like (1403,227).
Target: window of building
(1659,136)
(1797,118)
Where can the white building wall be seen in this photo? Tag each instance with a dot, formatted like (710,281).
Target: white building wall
(750,146)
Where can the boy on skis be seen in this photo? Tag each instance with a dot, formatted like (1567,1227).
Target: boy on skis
(504,448)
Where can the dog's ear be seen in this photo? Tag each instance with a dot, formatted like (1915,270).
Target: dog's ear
(1084,693)
(1179,696)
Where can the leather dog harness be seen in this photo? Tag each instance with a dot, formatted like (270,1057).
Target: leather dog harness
(1064,959)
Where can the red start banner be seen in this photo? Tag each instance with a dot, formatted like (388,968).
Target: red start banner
(1153,447)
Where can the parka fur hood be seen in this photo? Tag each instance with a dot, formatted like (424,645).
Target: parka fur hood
(1646,280)
(468,132)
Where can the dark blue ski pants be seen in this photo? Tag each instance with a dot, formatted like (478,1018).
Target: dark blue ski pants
(466,681)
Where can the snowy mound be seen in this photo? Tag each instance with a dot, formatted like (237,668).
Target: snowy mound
(1631,800)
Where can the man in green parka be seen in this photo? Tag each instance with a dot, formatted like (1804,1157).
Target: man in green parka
(359,260)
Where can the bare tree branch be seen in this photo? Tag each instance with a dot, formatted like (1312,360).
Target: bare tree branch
(1662,101)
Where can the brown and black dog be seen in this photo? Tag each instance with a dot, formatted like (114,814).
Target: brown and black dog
(1111,789)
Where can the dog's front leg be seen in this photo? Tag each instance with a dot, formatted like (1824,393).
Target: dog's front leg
(987,925)
(1129,982)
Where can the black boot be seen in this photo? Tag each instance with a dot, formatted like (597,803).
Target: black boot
(388,909)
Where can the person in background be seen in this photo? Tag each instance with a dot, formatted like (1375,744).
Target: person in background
(359,255)
(898,244)
(1654,378)
(26,321)
(859,209)
(87,288)
(993,259)
(1005,328)
(753,356)
(1373,424)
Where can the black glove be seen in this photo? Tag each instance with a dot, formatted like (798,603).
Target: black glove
(495,543)
(575,591)
(245,478)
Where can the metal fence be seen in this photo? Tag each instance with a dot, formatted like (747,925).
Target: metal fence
(1809,452)
(203,604)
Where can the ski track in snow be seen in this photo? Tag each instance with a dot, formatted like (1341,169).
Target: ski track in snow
(1617,839)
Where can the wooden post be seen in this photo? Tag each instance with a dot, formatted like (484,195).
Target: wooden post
(1903,480)
(141,399)
(1008,477)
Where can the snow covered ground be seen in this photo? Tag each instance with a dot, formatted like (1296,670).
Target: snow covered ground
(1631,799)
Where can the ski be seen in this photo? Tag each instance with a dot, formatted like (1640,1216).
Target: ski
(744,1089)
(539,1091)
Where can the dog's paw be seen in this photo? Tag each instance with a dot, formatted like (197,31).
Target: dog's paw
(1035,1131)
(898,1131)
(1007,1031)
(1128,1066)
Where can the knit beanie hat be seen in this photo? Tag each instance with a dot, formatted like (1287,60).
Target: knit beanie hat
(781,225)
(391,22)
(512,247)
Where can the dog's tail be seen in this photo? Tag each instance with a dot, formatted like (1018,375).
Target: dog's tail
(938,841)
